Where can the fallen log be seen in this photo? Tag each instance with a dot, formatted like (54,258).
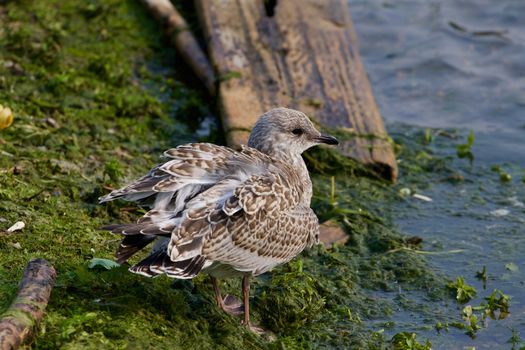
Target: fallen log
(301,54)
(183,40)
(18,324)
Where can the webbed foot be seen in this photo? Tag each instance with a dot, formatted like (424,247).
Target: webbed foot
(232,305)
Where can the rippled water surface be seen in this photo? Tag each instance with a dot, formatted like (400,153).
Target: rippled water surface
(426,71)
(458,64)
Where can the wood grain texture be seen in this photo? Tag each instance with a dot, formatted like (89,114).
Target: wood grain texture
(304,57)
(176,27)
(19,322)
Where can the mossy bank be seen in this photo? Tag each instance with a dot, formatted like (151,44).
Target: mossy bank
(96,98)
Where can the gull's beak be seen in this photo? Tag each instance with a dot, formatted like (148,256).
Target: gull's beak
(329,140)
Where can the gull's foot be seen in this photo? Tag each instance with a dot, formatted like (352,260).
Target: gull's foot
(268,335)
(232,305)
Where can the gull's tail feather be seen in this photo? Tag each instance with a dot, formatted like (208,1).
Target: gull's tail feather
(139,235)
(131,245)
(140,189)
(139,229)
(160,263)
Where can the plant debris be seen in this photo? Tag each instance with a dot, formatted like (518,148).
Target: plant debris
(480,33)
(103,263)
(16,226)
(462,291)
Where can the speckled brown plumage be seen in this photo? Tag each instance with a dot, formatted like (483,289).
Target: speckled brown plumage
(223,211)
(260,224)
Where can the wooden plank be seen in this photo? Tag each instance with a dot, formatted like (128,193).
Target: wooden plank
(304,56)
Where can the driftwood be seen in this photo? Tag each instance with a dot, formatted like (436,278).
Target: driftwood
(184,41)
(301,54)
(19,323)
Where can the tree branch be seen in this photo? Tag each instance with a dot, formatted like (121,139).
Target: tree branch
(184,41)
(18,324)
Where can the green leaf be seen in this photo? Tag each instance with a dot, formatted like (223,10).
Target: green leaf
(407,341)
(464,150)
(497,301)
(482,274)
(470,139)
(104,263)
(505,177)
(463,291)
(512,267)
(428,136)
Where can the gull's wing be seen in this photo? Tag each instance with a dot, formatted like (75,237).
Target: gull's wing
(190,169)
(254,226)
(217,205)
(256,245)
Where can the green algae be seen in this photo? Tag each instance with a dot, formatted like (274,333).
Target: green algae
(91,112)
(462,291)
(407,341)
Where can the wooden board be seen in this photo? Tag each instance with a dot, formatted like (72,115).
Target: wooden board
(304,56)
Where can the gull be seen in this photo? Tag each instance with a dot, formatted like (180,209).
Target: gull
(224,212)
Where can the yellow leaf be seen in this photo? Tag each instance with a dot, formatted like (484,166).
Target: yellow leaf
(6,117)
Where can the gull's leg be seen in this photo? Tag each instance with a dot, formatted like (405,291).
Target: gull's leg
(230,304)
(246,296)
(216,289)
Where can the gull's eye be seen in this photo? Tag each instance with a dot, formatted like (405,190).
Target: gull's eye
(297,131)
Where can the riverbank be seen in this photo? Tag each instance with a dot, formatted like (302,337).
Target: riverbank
(96,98)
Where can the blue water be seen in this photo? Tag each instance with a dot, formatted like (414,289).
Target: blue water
(458,64)
(424,72)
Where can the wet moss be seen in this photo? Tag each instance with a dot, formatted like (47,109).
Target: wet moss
(95,101)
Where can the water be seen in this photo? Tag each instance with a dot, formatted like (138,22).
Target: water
(458,64)
(424,72)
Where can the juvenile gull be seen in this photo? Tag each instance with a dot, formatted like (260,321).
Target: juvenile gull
(224,212)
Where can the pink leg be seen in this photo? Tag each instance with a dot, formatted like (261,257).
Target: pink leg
(230,304)
(246,295)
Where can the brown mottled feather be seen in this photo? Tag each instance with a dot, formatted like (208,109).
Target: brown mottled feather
(226,211)
(267,225)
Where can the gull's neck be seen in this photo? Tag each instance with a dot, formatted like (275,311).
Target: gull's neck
(297,162)
(282,154)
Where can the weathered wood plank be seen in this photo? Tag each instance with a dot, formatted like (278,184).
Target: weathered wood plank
(304,56)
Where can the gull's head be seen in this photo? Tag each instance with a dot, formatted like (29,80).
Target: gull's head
(286,131)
